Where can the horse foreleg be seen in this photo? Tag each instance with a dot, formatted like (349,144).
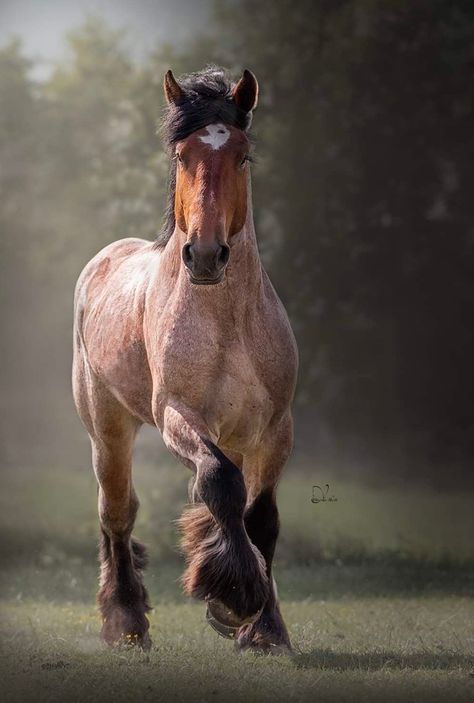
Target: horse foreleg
(262,471)
(122,597)
(223,566)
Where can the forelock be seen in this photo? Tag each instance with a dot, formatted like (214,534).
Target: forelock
(207,98)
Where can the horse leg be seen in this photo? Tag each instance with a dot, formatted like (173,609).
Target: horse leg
(223,566)
(262,471)
(193,496)
(122,597)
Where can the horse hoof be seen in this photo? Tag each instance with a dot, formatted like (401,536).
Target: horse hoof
(129,642)
(118,637)
(223,630)
(224,621)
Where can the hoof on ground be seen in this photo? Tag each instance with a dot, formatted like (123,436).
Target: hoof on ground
(129,641)
(116,633)
(268,635)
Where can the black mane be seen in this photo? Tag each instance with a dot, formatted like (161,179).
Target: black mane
(207,98)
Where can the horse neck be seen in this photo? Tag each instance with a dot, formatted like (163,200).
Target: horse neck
(245,268)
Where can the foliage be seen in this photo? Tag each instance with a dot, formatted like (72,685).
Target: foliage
(363,201)
(366,130)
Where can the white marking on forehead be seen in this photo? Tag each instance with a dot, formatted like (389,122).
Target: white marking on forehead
(217,135)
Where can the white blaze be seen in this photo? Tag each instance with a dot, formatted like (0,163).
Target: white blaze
(217,135)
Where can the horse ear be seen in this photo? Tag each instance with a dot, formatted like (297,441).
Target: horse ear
(245,93)
(173,90)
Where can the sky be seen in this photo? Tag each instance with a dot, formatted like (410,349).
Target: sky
(42,24)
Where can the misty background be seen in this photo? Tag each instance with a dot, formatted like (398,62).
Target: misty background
(364,209)
(363,202)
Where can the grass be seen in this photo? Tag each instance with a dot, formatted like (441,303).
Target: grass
(376,589)
(350,649)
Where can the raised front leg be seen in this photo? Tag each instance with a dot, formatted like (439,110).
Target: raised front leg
(262,471)
(223,566)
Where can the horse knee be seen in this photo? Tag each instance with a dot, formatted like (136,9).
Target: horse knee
(117,513)
(220,484)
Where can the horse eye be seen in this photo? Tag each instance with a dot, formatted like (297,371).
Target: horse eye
(178,158)
(244,160)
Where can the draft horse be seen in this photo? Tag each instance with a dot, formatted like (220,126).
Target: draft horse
(188,334)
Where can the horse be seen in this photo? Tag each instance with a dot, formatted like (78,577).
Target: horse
(187,334)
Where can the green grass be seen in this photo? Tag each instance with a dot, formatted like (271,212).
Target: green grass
(376,589)
(350,649)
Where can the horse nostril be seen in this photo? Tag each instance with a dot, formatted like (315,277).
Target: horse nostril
(223,256)
(187,255)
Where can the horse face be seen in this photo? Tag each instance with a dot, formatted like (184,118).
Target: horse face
(211,197)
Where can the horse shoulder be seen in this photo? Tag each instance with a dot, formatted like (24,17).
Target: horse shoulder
(110,303)
(277,329)
(273,348)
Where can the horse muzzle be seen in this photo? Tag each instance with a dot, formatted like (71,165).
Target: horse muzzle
(205,263)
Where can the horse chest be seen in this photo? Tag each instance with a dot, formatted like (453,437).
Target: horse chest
(217,379)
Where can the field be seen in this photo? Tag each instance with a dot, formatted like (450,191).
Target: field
(376,589)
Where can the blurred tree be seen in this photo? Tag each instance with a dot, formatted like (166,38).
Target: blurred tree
(363,200)
(81,168)
(365,193)
(106,160)
(20,157)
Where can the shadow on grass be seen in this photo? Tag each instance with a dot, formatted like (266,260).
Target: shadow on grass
(325,659)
